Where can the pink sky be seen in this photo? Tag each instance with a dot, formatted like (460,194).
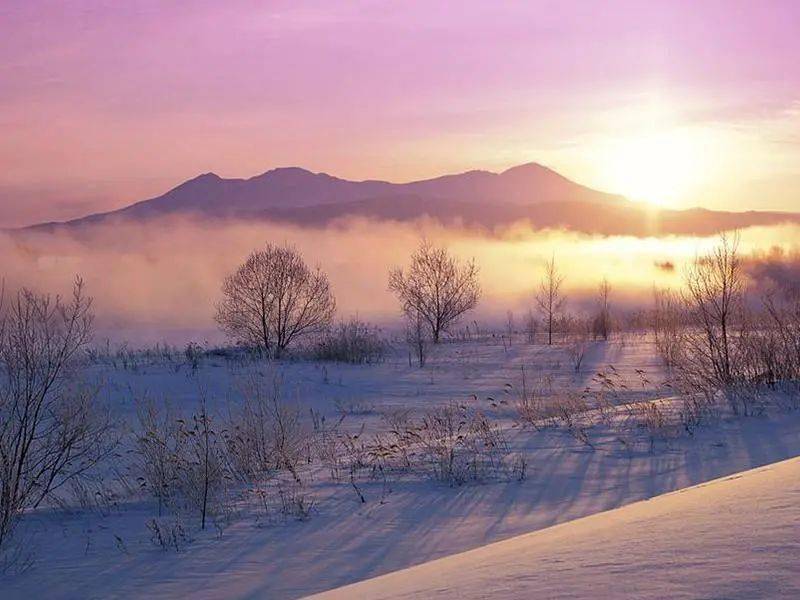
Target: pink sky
(105,103)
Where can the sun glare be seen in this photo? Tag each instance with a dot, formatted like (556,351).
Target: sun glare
(662,168)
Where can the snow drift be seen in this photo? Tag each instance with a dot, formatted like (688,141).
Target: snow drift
(735,537)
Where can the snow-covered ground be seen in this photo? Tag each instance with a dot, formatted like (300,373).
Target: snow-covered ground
(735,537)
(105,551)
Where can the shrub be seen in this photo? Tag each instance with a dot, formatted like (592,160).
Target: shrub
(167,534)
(352,341)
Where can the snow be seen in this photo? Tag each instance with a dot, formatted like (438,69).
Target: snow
(735,537)
(106,552)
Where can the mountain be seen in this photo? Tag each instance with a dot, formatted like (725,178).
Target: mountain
(479,199)
(525,184)
(293,187)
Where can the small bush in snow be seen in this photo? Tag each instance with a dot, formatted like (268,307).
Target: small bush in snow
(266,434)
(452,443)
(181,462)
(167,534)
(158,452)
(352,341)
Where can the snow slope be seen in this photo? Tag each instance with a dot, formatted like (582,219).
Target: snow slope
(736,537)
(105,551)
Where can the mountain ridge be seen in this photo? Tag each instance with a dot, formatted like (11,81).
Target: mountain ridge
(530,193)
(293,187)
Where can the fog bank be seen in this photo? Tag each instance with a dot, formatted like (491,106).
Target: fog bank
(160,281)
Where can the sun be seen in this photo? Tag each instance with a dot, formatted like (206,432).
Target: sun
(662,168)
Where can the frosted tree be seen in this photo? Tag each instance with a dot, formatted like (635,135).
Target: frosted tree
(549,298)
(436,288)
(273,299)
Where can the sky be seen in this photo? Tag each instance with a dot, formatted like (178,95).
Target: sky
(676,103)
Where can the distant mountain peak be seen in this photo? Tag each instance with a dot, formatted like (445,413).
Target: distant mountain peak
(533,169)
(204,181)
(529,166)
(201,181)
(289,188)
(285,171)
(210,176)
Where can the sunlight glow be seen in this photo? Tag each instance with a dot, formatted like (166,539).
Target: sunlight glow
(663,168)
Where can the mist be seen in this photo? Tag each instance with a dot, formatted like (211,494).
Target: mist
(160,281)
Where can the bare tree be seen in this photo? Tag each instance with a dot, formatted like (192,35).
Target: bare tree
(668,325)
(530,327)
(510,324)
(417,338)
(273,299)
(714,293)
(601,326)
(549,298)
(52,428)
(436,288)
(782,326)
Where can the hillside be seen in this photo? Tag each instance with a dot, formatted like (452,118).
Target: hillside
(736,537)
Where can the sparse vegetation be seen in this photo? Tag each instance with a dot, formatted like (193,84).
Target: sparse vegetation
(667,324)
(258,450)
(353,341)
